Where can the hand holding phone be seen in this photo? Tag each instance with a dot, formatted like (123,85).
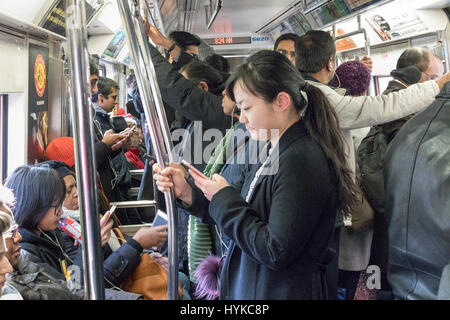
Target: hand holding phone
(197,172)
(107,217)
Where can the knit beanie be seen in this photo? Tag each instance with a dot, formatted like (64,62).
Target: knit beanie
(353,76)
(62,168)
(61,149)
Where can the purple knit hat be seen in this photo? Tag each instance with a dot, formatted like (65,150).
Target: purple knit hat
(354,76)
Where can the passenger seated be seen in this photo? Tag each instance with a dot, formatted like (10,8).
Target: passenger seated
(34,281)
(62,149)
(135,149)
(7,292)
(40,193)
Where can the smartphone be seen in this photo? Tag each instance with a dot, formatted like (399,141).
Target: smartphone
(190,166)
(108,215)
(160,218)
(127,130)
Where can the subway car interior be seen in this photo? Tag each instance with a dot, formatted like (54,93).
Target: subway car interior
(135,137)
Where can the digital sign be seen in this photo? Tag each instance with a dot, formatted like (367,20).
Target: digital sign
(227,40)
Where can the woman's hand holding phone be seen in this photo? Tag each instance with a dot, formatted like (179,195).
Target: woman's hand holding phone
(193,170)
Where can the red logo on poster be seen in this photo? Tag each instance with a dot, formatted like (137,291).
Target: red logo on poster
(40,75)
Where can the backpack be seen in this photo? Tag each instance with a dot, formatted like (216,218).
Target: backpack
(370,158)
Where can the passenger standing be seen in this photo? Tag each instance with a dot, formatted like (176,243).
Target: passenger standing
(103,102)
(282,220)
(285,44)
(181,48)
(191,148)
(218,62)
(354,77)
(415,65)
(316,59)
(105,146)
(417,203)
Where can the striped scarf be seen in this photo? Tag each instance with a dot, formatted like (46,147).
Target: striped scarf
(200,242)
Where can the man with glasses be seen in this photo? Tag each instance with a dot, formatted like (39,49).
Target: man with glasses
(9,248)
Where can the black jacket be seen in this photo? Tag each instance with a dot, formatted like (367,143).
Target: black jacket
(105,169)
(417,201)
(185,97)
(280,239)
(117,266)
(46,252)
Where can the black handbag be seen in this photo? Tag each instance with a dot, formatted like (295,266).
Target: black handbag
(118,123)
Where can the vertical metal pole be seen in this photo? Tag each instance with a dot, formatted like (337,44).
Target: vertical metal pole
(156,120)
(3,137)
(371,90)
(121,71)
(84,149)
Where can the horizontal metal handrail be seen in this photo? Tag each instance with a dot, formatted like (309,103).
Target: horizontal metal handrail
(133,192)
(138,172)
(134,204)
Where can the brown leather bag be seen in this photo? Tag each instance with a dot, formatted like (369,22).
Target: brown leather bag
(362,215)
(149,279)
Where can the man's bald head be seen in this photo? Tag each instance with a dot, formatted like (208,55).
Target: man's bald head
(422,58)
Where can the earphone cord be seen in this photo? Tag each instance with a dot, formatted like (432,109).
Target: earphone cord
(71,261)
(339,80)
(219,234)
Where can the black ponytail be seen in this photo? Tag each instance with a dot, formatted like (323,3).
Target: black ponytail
(322,124)
(268,73)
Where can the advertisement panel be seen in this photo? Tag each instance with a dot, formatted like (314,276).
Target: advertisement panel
(37,102)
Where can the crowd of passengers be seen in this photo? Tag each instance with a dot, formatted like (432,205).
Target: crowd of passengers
(312,183)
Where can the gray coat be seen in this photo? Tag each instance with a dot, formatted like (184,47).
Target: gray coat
(417,202)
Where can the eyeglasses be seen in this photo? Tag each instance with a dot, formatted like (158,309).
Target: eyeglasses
(93,82)
(58,210)
(12,231)
(431,76)
(286,53)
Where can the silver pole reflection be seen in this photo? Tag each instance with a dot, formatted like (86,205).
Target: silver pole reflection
(84,150)
(155,119)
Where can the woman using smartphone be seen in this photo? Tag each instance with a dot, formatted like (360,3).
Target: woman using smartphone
(282,219)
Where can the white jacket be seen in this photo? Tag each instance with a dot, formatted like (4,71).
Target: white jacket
(366,111)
